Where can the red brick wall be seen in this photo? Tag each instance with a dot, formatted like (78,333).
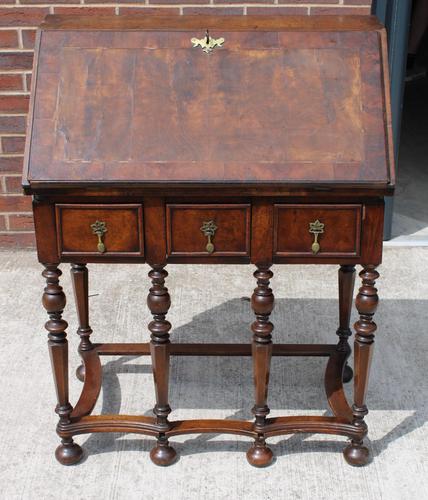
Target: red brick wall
(18,19)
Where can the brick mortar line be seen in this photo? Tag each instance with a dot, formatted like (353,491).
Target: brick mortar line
(14,92)
(16,213)
(20,39)
(15,71)
(14,114)
(11,155)
(18,50)
(168,6)
(243,4)
(2,233)
(11,134)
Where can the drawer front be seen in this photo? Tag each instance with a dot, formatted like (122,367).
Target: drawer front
(100,230)
(201,230)
(317,230)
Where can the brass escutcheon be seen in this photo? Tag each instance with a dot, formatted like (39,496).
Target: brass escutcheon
(209,228)
(99,228)
(208,43)
(316,228)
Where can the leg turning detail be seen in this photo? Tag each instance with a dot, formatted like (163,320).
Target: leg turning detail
(159,302)
(367,300)
(79,278)
(54,302)
(262,302)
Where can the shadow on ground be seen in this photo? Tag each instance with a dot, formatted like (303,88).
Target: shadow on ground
(397,382)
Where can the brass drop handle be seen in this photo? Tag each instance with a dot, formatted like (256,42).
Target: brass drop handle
(99,228)
(208,43)
(209,228)
(316,228)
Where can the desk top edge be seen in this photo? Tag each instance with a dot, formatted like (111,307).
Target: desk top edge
(192,22)
(254,190)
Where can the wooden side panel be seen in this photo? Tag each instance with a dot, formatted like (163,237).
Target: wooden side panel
(387,104)
(155,231)
(261,232)
(44,221)
(372,236)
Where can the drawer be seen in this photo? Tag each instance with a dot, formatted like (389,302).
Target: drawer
(317,230)
(202,230)
(100,230)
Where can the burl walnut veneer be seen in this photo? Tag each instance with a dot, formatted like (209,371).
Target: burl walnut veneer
(226,140)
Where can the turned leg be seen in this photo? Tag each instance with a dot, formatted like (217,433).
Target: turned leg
(346,292)
(159,302)
(262,303)
(68,452)
(79,278)
(366,302)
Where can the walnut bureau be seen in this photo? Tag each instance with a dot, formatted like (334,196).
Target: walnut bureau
(225,140)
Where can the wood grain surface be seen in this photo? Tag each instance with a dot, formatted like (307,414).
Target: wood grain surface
(278,105)
(124,229)
(341,236)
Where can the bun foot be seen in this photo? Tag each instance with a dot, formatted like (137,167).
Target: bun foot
(259,455)
(356,454)
(163,454)
(80,373)
(68,453)
(347,374)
